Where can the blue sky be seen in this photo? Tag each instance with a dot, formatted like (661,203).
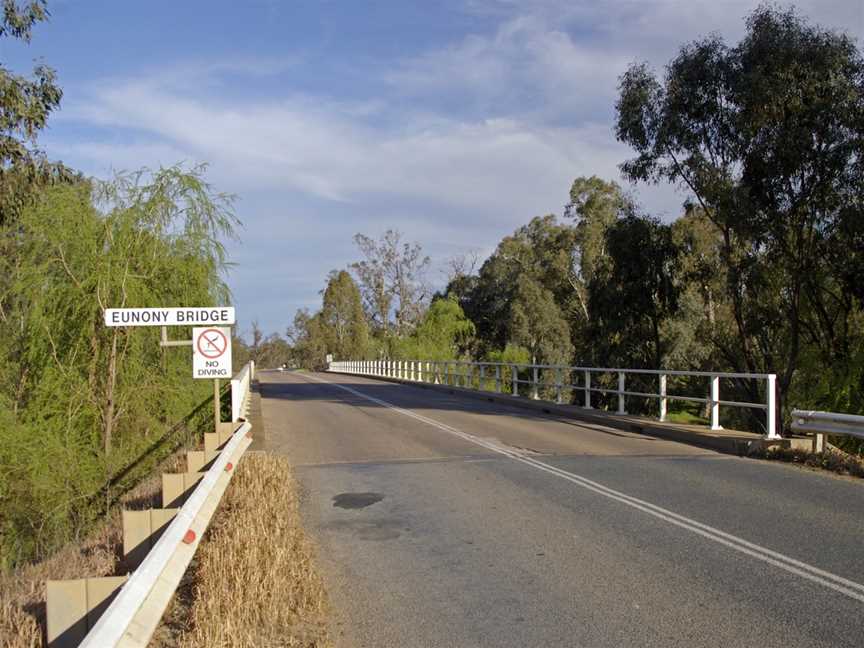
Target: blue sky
(454,121)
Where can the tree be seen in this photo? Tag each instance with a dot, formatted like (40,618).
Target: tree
(442,335)
(537,324)
(392,278)
(767,138)
(342,316)
(308,340)
(81,399)
(543,250)
(633,293)
(25,105)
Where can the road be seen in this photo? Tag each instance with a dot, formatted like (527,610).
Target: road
(447,521)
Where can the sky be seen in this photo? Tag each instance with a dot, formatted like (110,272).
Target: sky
(453,121)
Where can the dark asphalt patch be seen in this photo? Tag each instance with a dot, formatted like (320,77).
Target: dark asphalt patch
(356,500)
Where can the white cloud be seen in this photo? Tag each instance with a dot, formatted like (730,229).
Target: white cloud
(330,151)
(455,147)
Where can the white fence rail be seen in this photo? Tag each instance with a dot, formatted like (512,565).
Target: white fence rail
(240,390)
(828,423)
(134,614)
(569,384)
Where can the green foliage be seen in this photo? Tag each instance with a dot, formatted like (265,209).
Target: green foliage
(511,354)
(82,399)
(440,336)
(632,293)
(308,339)
(345,328)
(25,105)
(767,137)
(542,250)
(537,324)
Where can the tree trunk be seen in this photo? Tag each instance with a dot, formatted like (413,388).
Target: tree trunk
(109,394)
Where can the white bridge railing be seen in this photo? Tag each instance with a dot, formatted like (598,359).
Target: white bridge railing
(567,384)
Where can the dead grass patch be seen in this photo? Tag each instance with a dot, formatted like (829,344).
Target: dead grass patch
(255,581)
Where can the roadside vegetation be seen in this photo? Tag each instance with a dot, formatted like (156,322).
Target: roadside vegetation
(87,411)
(98,553)
(760,273)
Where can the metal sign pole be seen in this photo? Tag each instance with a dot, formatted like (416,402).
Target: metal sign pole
(217,406)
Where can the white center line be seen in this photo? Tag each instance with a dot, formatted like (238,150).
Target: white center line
(837,583)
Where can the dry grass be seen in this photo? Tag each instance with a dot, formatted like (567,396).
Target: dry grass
(255,582)
(22,592)
(834,460)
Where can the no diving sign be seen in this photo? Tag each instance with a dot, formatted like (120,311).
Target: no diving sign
(211,352)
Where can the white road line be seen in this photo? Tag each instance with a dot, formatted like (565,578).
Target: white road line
(837,583)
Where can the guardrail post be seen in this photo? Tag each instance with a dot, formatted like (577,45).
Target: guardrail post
(515,381)
(558,379)
(535,381)
(498,378)
(663,400)
(621,408)
(587,389)
(482,376)
(770,403)
(715,403)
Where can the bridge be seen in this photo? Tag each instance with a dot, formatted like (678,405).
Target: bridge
(448,520)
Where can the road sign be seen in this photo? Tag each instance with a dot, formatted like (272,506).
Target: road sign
(211,352)
(197,316)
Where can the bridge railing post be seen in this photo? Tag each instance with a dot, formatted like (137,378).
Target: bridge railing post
(771,404)
(621,390)
(482,382)
(558,381)
(515,377)
(535,383)
(587,389)
(663,400)
(498,378)
(715,403)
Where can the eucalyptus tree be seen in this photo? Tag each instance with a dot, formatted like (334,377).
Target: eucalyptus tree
(392,280)
(766,136)
(541,250)
(633,294)
(537,324)
(25,105)
(343,319)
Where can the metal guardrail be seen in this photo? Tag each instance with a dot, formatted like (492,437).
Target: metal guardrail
(134,614)
(561,378)
(821,423)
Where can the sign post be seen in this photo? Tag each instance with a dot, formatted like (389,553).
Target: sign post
(211,338)
(211,358)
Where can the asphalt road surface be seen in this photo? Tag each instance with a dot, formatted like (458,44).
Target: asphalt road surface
(447,521)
